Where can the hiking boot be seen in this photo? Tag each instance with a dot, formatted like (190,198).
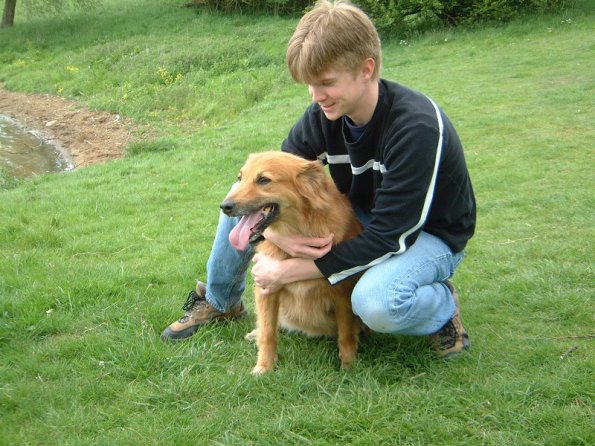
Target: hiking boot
(198,312)
(451,339)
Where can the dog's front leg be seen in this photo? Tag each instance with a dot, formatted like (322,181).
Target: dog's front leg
(267,312)
(348,328)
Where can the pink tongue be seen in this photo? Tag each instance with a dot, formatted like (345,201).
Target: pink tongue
(239,237)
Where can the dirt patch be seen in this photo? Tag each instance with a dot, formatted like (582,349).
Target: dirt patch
(89,136)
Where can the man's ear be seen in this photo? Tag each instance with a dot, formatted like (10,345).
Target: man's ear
(368,68)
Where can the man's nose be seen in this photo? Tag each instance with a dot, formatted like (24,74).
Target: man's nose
(316,93)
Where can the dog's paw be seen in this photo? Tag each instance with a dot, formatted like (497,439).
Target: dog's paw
(346,366)
(260,370)
(252,336)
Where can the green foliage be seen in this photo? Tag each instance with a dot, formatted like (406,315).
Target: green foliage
(274,6)
(479,11)
(167,66)
(401,18)
(53,7)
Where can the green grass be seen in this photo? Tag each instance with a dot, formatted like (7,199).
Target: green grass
(94,263)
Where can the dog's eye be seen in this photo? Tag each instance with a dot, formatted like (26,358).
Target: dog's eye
(262,180)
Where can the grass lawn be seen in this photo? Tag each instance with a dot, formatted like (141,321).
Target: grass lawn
(94,263)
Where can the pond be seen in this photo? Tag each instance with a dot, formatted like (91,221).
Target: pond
(24,152)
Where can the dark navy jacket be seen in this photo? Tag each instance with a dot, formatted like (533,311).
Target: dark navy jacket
(407,168)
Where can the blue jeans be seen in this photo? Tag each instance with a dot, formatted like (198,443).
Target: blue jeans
(405,294)
(226,267)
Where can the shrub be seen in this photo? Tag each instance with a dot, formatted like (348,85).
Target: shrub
(404,17)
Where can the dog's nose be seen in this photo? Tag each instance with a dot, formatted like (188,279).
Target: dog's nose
(227,206)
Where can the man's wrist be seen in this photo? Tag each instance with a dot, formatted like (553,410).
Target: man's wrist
(297,269)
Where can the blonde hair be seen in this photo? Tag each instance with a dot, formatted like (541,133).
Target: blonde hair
(332,34)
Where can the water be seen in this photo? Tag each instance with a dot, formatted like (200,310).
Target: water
(25,153)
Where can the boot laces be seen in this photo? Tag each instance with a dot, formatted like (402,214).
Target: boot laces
(193,301)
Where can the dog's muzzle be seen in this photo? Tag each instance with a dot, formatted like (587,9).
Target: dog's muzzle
(252,224)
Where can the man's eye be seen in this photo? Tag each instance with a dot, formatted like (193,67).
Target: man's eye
(263,180)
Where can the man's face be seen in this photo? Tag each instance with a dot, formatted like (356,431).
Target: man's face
(341,92)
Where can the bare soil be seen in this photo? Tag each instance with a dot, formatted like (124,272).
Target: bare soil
(89,136)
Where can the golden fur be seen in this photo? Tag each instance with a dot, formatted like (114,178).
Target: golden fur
(308,203)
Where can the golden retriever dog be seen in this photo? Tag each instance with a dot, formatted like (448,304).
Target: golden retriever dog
(295,196)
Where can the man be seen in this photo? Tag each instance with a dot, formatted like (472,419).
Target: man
(399,160)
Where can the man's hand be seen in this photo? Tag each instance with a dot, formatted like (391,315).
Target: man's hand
(267,273)
(310,248)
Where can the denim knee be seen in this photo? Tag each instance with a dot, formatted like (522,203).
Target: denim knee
(396,314)
(373,312)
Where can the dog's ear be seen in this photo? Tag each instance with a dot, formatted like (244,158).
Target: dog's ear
(311,183)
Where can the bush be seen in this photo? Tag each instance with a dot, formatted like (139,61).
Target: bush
(405,17)
(401,18)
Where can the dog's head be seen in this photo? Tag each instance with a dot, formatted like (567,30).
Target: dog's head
(271,185)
